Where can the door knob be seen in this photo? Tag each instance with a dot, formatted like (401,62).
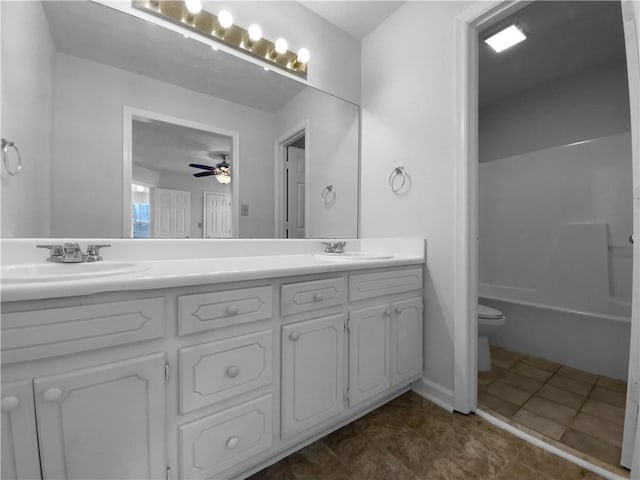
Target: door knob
(52,395)
(9,403)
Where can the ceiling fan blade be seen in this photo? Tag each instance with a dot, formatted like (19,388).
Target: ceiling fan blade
(203,174)
(197,165)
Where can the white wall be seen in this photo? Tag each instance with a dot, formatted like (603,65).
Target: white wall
(87,145)
(408,111)
(584,106)
(335,56)
(332,147)
(26,117)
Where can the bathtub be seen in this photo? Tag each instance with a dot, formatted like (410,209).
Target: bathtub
(595,341)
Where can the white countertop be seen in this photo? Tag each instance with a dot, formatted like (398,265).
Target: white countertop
(152,274)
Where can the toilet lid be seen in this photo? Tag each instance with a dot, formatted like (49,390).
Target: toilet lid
(488,312)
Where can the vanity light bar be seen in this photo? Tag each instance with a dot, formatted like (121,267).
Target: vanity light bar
(209,25)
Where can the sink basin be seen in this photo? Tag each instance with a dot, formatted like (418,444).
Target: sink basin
(350,256)
(61,272)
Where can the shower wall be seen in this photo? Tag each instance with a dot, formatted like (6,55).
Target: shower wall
(555,193)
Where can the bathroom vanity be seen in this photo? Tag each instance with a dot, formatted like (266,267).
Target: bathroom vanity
(158,374)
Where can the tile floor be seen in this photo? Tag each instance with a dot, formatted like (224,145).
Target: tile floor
(410,438)
(570,408)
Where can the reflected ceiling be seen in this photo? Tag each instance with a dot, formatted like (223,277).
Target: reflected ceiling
(104,35)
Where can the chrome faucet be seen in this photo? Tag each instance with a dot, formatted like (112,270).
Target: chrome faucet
(336,247)
(71,253)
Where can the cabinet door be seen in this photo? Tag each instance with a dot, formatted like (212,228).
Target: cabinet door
(19,437)
(104,422)
(312,372)
(406,340)
(369,354)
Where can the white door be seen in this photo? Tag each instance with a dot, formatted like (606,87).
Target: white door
(217,215)
(104,422)
(19,437)
(312,372)
(630,442)
(295,192)
(369,355)
(171,213)
(406,340)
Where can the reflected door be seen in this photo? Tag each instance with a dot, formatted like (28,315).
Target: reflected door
(295,192)
(171,213)
(217,215)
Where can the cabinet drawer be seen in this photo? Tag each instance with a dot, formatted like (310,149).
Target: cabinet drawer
(218,370)
(206,311)
(215,443)
(305,296)
(370,285)
(61,331)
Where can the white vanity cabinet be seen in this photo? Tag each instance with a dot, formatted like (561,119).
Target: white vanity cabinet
(312,372)
(202,381)
(19,436)
(100,422)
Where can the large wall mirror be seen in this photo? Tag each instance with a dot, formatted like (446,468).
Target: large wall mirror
(129,129)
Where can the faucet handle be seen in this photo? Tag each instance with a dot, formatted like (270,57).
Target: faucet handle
(339,247)
(93,252)
(328,248)
(56,252)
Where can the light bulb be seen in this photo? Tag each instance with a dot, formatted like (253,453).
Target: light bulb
(223,178)
(214,48)
(225,19)
(194,6)
(255,32)
(303,55)
(281,46)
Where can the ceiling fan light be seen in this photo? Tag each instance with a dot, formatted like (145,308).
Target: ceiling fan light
(223,178)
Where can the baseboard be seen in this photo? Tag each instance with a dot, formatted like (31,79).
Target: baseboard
(434,392)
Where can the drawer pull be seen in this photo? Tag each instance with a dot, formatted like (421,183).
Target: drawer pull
(232,310)
(233,371)
(398,310)
(318,297)
(387,312)
(232,442)
(294,336)
(52,395)
(9,403)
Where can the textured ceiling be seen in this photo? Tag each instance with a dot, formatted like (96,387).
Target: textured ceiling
(357,18)
(564,38)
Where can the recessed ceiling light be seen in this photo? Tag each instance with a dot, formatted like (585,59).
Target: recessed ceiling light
(505,38)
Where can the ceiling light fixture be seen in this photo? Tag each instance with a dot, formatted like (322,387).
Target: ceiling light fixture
(505,38)
(221,29)
(194,6)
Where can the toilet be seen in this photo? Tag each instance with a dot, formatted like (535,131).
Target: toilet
(489,321)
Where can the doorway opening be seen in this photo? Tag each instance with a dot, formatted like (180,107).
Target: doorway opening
(292,158)
(565,424)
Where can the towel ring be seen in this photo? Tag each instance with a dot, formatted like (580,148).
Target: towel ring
(328,196)
(6,145)
(395,173)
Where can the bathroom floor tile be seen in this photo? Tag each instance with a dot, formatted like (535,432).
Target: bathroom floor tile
(617,399)
(397,441)
(595,447)
(539,424)
(563,397)
(511,394)
(604,411)
(542,364)
(496,404)
(598,428)
(523,383)
(531,372)
(612,384)
(551,410)
(576,374)
(571,385)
